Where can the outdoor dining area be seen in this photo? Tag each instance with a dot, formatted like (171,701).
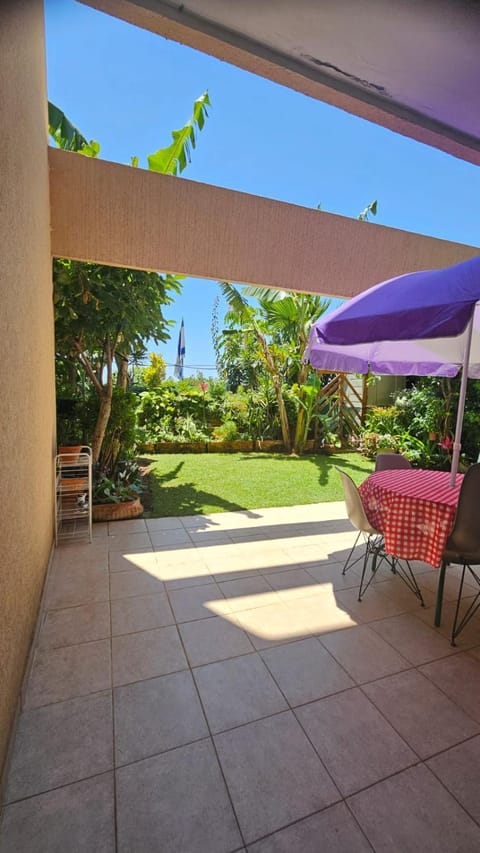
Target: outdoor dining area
(213,683)
(286,679)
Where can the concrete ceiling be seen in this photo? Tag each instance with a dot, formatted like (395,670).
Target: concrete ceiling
(411,65)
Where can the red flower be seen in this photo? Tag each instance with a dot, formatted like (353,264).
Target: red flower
(447,443)
(204,386)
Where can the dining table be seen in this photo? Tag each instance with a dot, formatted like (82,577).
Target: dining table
(414,509)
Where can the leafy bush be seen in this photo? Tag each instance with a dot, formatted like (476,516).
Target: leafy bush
(228,431)
(124,485)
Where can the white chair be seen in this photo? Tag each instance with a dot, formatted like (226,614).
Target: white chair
(374,545)
(373,538)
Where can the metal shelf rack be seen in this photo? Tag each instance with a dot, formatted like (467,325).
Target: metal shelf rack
(73,499)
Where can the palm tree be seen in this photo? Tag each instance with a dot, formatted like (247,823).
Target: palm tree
(243,315)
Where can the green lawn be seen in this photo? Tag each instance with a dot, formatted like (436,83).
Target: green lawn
(197,483)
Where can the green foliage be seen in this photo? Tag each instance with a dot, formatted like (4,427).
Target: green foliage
(67,136)
(422,418)
(154,375)
(174,159)
(227,431)
(125,484)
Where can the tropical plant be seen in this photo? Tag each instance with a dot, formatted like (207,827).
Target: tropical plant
(125,484)
(100,309)
(171,160)
(154,375)
(104,315)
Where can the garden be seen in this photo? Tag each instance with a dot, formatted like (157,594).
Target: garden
(164,439)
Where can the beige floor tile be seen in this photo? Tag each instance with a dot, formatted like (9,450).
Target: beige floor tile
(269,626)
(246,586)
(305,671)
(155,715)
(319,614)
(374,605)
(128,541)
(214,639)
(470,635)
(99,529)
(459,677)
(411,812)
(79,817)
(234,575)
(197,602)
(153,525)
(138,582)
(120,561)
(354,741)
(72,556)
(175,802)
(77,588)
(273,774)
(422,714)
(296,583)
(397,591)
(183,575)
(363,653)
(75,625)
(331,831)
(412,638)
(146,655)
(429,580)
(237,691)
(59,674)
(459,770)
(127,526)
(330,575)
(167,538)
(140,613)
(60,744)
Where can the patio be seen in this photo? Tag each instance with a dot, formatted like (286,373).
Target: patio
(211,684)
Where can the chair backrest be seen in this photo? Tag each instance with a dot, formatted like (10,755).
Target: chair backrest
(389,461)
(354,505)
(465,535)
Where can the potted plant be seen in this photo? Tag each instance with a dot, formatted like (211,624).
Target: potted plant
(118,496)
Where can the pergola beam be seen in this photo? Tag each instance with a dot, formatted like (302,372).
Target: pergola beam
(121,216)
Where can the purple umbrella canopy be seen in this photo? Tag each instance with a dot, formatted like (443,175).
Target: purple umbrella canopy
(423,323)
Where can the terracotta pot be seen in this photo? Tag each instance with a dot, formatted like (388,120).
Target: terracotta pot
(117,512)
(73,451)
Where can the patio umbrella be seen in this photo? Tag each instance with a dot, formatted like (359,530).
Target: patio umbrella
(423,323)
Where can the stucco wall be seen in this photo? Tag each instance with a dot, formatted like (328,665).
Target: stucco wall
(26,344)
(117,215)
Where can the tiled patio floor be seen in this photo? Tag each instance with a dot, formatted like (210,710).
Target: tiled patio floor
(211,684)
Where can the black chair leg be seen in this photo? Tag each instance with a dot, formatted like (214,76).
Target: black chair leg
(441,584)
(471,610)
(346,566)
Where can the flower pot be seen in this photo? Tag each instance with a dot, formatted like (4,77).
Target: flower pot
(117,512)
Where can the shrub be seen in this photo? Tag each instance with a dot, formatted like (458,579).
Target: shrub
(228,431)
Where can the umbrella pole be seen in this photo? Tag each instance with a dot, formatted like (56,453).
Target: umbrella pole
(457,441)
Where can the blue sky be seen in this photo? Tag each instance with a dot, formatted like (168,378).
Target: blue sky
(128,88)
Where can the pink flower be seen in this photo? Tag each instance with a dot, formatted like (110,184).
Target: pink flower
(447,443)
(204,386)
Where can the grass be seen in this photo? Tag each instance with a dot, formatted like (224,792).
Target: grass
(204,483)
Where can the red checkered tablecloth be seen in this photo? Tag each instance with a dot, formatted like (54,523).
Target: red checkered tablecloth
(414,509)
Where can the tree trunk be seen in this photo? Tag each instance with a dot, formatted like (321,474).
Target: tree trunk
(271,367)
(101,424)
(122,371)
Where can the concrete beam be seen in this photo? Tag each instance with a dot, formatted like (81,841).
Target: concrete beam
(118,215)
